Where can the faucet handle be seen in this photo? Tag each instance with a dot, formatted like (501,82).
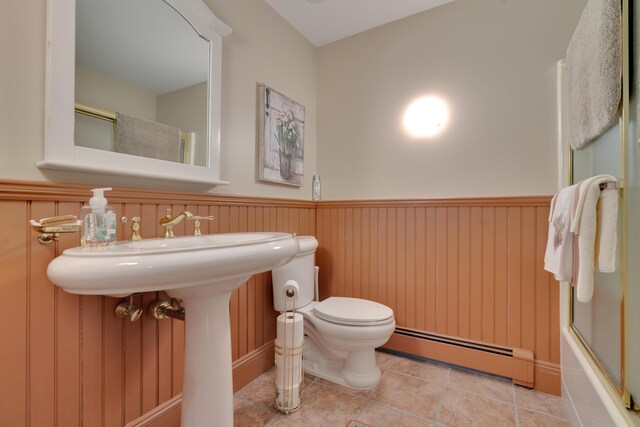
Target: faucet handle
(196,223)
(168,212)
(135,227)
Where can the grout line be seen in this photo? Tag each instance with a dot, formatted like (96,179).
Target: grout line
(418,378)
(546,414)
(365,402)
(386,405)
(446,385)
(446,380)
(484,396)
(537,411)
(515,406)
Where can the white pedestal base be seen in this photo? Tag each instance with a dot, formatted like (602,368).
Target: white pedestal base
(208,383)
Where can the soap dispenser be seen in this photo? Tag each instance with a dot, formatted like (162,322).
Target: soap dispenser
(98,221)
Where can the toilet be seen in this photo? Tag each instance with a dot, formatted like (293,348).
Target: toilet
(341,334)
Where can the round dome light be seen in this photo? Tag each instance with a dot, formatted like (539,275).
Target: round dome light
(425,117)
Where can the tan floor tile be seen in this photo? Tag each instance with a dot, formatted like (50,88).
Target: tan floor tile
(471,410)
(425,370)
(280,421)
(386,360)
(308,378)
(409,394)
(484,385)
(376,415)
(347,390)
(414,388)
(357,424)
(538,401)
(261,391)
(325,406)
(535,419)
(245,415)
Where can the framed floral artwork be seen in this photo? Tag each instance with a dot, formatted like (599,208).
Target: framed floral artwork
(280,138)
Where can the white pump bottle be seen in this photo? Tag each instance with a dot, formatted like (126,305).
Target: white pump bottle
(98,221)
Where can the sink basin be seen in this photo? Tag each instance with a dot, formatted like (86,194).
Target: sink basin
(176,264)
(200,270)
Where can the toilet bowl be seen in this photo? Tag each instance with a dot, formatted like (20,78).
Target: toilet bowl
(341,334)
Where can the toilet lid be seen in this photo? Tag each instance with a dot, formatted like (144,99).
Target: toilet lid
(352,311)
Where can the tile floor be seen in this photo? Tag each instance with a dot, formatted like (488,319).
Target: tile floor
(412,393)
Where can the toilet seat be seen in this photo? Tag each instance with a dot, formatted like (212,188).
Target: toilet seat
(353,312)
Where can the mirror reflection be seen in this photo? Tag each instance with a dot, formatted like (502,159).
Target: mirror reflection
(141,81)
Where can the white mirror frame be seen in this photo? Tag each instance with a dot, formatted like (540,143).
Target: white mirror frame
(60,151)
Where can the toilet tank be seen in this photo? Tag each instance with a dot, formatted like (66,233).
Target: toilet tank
(300,269)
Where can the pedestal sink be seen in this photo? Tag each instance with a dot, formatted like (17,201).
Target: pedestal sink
(200,270)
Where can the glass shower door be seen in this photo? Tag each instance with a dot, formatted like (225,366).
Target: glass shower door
(599,322)
(632,198)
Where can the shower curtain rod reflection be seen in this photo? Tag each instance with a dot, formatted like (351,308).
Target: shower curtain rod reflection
(96,113)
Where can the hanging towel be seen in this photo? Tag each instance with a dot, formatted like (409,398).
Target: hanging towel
(595,219)
(607,231)
(145,138)
(558,257)
(594,72)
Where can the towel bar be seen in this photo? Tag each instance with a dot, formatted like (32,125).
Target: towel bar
(610,185)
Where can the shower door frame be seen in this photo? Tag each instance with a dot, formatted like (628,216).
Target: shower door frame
(620,391)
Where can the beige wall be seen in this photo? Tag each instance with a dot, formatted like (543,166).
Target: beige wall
(101,91)
(186,109)
(494,63)
(22,38)
(262,47)
(493,60)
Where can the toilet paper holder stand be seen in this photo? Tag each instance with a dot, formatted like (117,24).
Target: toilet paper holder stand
(289,346)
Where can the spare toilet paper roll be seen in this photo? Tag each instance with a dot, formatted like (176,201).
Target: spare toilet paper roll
(289,339)
(290,330)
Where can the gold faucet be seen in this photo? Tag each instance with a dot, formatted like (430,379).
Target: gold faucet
(196,223)
(135,227)
(168,222)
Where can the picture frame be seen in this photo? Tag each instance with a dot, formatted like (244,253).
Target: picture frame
(280,138)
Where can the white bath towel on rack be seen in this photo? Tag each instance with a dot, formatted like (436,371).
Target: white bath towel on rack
(558,257)
(595,220)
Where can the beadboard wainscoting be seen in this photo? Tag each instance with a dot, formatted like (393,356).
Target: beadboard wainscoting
(66,360)
(468,269)
(463,269)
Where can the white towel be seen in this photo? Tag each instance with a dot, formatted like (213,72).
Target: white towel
(607,231)
(588,218)
(594,72)
(558,257)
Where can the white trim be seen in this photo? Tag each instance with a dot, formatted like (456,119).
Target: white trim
(123,171)
(61,153)
(563,162)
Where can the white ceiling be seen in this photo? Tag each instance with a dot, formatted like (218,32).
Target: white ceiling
(325,21)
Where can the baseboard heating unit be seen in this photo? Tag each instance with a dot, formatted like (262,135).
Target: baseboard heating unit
(515,363)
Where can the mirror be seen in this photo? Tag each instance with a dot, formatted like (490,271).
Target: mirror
(142,69)
(133,88)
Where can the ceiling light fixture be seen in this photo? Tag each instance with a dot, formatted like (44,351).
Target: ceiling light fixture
(425,117)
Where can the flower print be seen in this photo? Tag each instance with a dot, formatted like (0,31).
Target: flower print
(285,132)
